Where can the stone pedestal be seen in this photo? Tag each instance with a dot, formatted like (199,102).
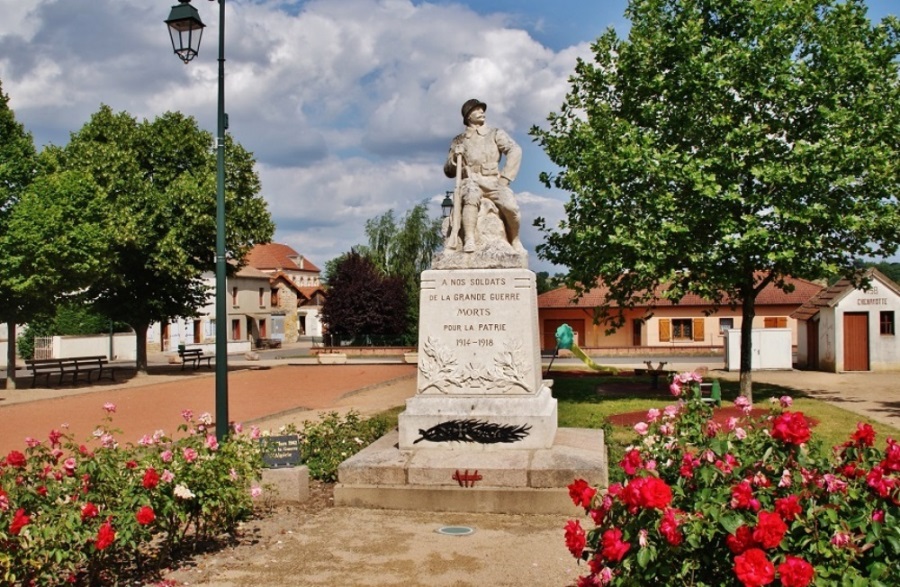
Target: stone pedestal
(287,485)
(479,384)
(480,435)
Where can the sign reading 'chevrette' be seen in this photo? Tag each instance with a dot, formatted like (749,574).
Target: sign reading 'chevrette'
(476,334)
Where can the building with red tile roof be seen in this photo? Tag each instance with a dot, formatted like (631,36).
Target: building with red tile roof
(690,324)
(846,328)
(297,292)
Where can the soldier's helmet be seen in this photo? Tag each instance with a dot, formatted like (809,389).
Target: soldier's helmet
(470,105)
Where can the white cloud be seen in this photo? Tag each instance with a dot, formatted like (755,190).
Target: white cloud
(348,105)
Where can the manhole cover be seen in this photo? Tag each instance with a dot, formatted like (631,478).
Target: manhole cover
(455,530)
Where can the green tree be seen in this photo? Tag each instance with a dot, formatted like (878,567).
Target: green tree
(362,300)
(17,167)
(546,283)
(158,178)
(725,145)
(404,250)
(890,269)
(55,241)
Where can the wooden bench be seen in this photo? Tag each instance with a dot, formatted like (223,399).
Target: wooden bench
(73,367)
(194,356)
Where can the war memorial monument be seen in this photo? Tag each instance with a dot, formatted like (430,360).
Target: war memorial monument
(481,432)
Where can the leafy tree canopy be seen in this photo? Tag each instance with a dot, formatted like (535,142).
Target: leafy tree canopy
(890,269)
(157,178)
(17,155)
(363,301)
(404,250)
(725,145)
(546,282)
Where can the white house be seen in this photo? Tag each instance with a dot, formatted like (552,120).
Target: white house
(276,295)
(845,328)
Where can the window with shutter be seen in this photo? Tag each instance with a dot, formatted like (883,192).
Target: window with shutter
(699,334)
(775,322)
(665,330)
(682,329)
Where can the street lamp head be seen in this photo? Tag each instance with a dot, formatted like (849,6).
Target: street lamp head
(185,30)
(447,205)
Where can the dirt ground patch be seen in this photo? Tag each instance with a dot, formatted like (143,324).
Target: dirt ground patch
(315,544)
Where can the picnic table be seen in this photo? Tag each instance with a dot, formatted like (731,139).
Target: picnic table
(655,372)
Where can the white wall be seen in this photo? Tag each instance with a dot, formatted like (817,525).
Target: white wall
(772,349)
(884,350)
(123,346)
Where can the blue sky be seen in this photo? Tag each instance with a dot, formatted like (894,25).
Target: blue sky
(348,105)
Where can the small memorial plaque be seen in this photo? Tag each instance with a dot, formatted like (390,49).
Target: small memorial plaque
(280,451)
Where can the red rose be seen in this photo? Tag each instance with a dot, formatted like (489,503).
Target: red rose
(15,459)
(655,493)
(740,541)
(575,538)
(581,493)
(864,435)
(630,495)
(770,529)
(105,536)
(742,497)
(795,572)
(791,428)
(632,462)
(19,521)
(668,528)
(88,511)
(151,478)
(891,460)
(145,515)
(612,547)
(788,507)
(753,569)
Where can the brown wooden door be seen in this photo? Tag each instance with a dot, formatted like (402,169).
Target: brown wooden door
(856,341)
(637,326)
(812,345)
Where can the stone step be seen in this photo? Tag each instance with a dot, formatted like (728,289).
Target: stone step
(463,478)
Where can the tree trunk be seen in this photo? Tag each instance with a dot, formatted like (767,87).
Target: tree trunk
(748,312)
(11,355)
(140,333)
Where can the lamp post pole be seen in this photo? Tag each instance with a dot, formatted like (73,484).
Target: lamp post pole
(221,314)
(186,31)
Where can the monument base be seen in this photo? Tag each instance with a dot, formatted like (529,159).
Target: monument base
(478,423)
(522,481)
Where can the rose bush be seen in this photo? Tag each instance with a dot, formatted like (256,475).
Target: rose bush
(86,513)
(748,502)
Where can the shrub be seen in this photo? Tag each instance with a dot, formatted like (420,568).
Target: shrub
(89,513)
(747,502)
(331,440)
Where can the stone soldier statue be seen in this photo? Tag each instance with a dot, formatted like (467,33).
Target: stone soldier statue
(474,159)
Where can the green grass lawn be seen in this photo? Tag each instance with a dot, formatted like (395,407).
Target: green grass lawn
(581,406)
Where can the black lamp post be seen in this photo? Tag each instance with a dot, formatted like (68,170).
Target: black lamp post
(186,30)
(447,205)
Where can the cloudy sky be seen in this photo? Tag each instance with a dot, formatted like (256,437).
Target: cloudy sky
(348,105)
